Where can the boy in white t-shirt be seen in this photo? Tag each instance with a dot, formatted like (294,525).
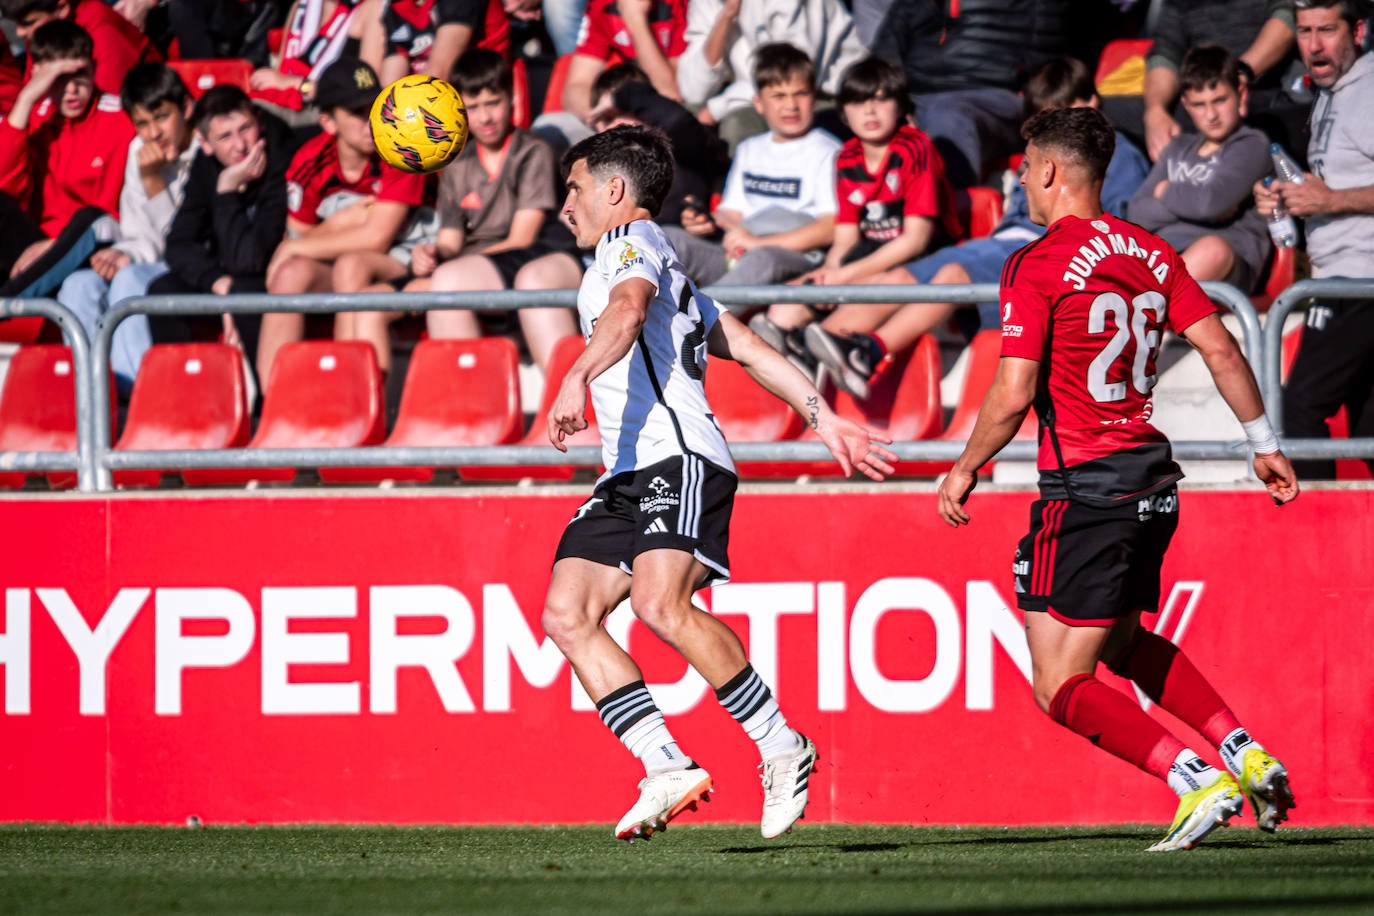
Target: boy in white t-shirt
(777,214)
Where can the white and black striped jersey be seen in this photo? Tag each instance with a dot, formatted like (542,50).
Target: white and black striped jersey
(652,404)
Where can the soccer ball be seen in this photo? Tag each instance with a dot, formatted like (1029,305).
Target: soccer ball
(419,123)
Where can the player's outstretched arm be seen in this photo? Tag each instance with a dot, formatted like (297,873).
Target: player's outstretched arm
(615,333)
(853,446)
(1236,383)
(1003,412)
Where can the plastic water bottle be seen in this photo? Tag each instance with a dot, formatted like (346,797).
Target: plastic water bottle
(1284,167)
(1282,229)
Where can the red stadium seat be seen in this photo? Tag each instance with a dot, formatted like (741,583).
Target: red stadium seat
(1282,269)
(458,392)
(38,408)
(903,402)
(565,353)
(200,75)
(26,329)
(558,78)
(520,96)
(985,211)
(186,396)
(985,351)
(320,394)
(1121,68)
(744,410)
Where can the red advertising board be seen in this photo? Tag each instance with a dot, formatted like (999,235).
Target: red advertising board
(372,657)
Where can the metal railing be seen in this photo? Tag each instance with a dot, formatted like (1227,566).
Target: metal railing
(96,459)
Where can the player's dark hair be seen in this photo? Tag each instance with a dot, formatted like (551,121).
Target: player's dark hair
(1352,11)
(149,85)
(778,62)
(1082,134)
(480,70)
(16,10)
(875,77)
(1058,83)
(60,39)
(612,78)
(641,155)
(217,102)
(1205,66)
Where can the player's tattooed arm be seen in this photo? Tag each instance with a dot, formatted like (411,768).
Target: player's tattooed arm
(813,411)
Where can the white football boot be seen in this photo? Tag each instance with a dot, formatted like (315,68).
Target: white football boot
(785,781)
(663,797)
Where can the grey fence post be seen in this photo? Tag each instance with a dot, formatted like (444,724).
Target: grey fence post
(86,412)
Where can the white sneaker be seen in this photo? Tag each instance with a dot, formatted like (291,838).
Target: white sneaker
(785,781)
(663,797)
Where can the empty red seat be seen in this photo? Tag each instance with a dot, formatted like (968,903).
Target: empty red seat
(903,403)
(1121,67)
(520,114)
(200,75)
(565,353)
(186,396)
(1282,270)
(38,408)
(457,393)
(25,329)
(558,78)
(745,411)
(320,394)
(985,211)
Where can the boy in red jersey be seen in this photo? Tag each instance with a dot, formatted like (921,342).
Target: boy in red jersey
(1083,312)
(341,198)
(119,44)
(63,148)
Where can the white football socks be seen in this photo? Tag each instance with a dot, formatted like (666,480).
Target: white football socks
(1233,748)
(1189,772)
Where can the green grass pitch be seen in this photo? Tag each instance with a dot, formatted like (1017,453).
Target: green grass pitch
(689,869)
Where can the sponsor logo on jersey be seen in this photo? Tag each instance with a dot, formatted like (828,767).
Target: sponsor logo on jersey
(765,186)
(662,499)
(1009,329)
(629,257)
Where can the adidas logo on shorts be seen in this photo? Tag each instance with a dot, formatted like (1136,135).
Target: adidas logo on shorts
(656,527)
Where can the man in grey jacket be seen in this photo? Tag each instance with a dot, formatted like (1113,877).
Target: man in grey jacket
(1335,365)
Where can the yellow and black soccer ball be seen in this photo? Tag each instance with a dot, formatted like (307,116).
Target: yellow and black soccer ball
(419,123)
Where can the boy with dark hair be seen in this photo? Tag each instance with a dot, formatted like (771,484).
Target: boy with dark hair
(119,45)
(1197,197)
(852,341)
(234,212)
(1080,340)
(657,526)
(62,153)
(895,203)
(498,225)
(160,156)
(778,208)
(343,200)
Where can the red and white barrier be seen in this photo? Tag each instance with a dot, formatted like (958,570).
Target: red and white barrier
(378,658)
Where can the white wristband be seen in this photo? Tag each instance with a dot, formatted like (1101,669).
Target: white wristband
(1261,435)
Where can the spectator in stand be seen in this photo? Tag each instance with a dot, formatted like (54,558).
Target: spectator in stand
(1335,364)
(1197,197)
(562,20)
(317,33)
(499,226)
(234,211)
(1258,32)
(623,95)
(428,36)
(159,161)
(119,45)
(853,340)
(965,62)
(778,209)
(894,201)
(62,152)
(342,199)
(220,28)
(723,36)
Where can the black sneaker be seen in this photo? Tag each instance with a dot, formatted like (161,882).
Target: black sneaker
(790,343)
(851,360)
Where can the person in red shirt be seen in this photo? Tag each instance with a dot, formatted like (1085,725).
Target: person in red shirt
(63,145)
(1084,309)
(428,36)
(652,33)
(341,198)
(119,45)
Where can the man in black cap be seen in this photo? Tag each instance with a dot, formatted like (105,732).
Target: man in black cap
(340,198)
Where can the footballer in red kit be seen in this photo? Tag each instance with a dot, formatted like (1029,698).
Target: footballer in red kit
(1084,311)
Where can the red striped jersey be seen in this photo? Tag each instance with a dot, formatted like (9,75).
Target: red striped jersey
(1090,301)
(314,176)
(910,181)
(412,24)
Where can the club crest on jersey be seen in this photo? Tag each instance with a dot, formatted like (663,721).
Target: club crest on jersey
(629,257)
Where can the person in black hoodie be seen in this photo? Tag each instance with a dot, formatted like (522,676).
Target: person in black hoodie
(234,213)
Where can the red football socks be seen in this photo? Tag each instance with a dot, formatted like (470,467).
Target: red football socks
(1113,722)
(1168,678)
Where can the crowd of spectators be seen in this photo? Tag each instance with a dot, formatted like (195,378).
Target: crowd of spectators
(818,141)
